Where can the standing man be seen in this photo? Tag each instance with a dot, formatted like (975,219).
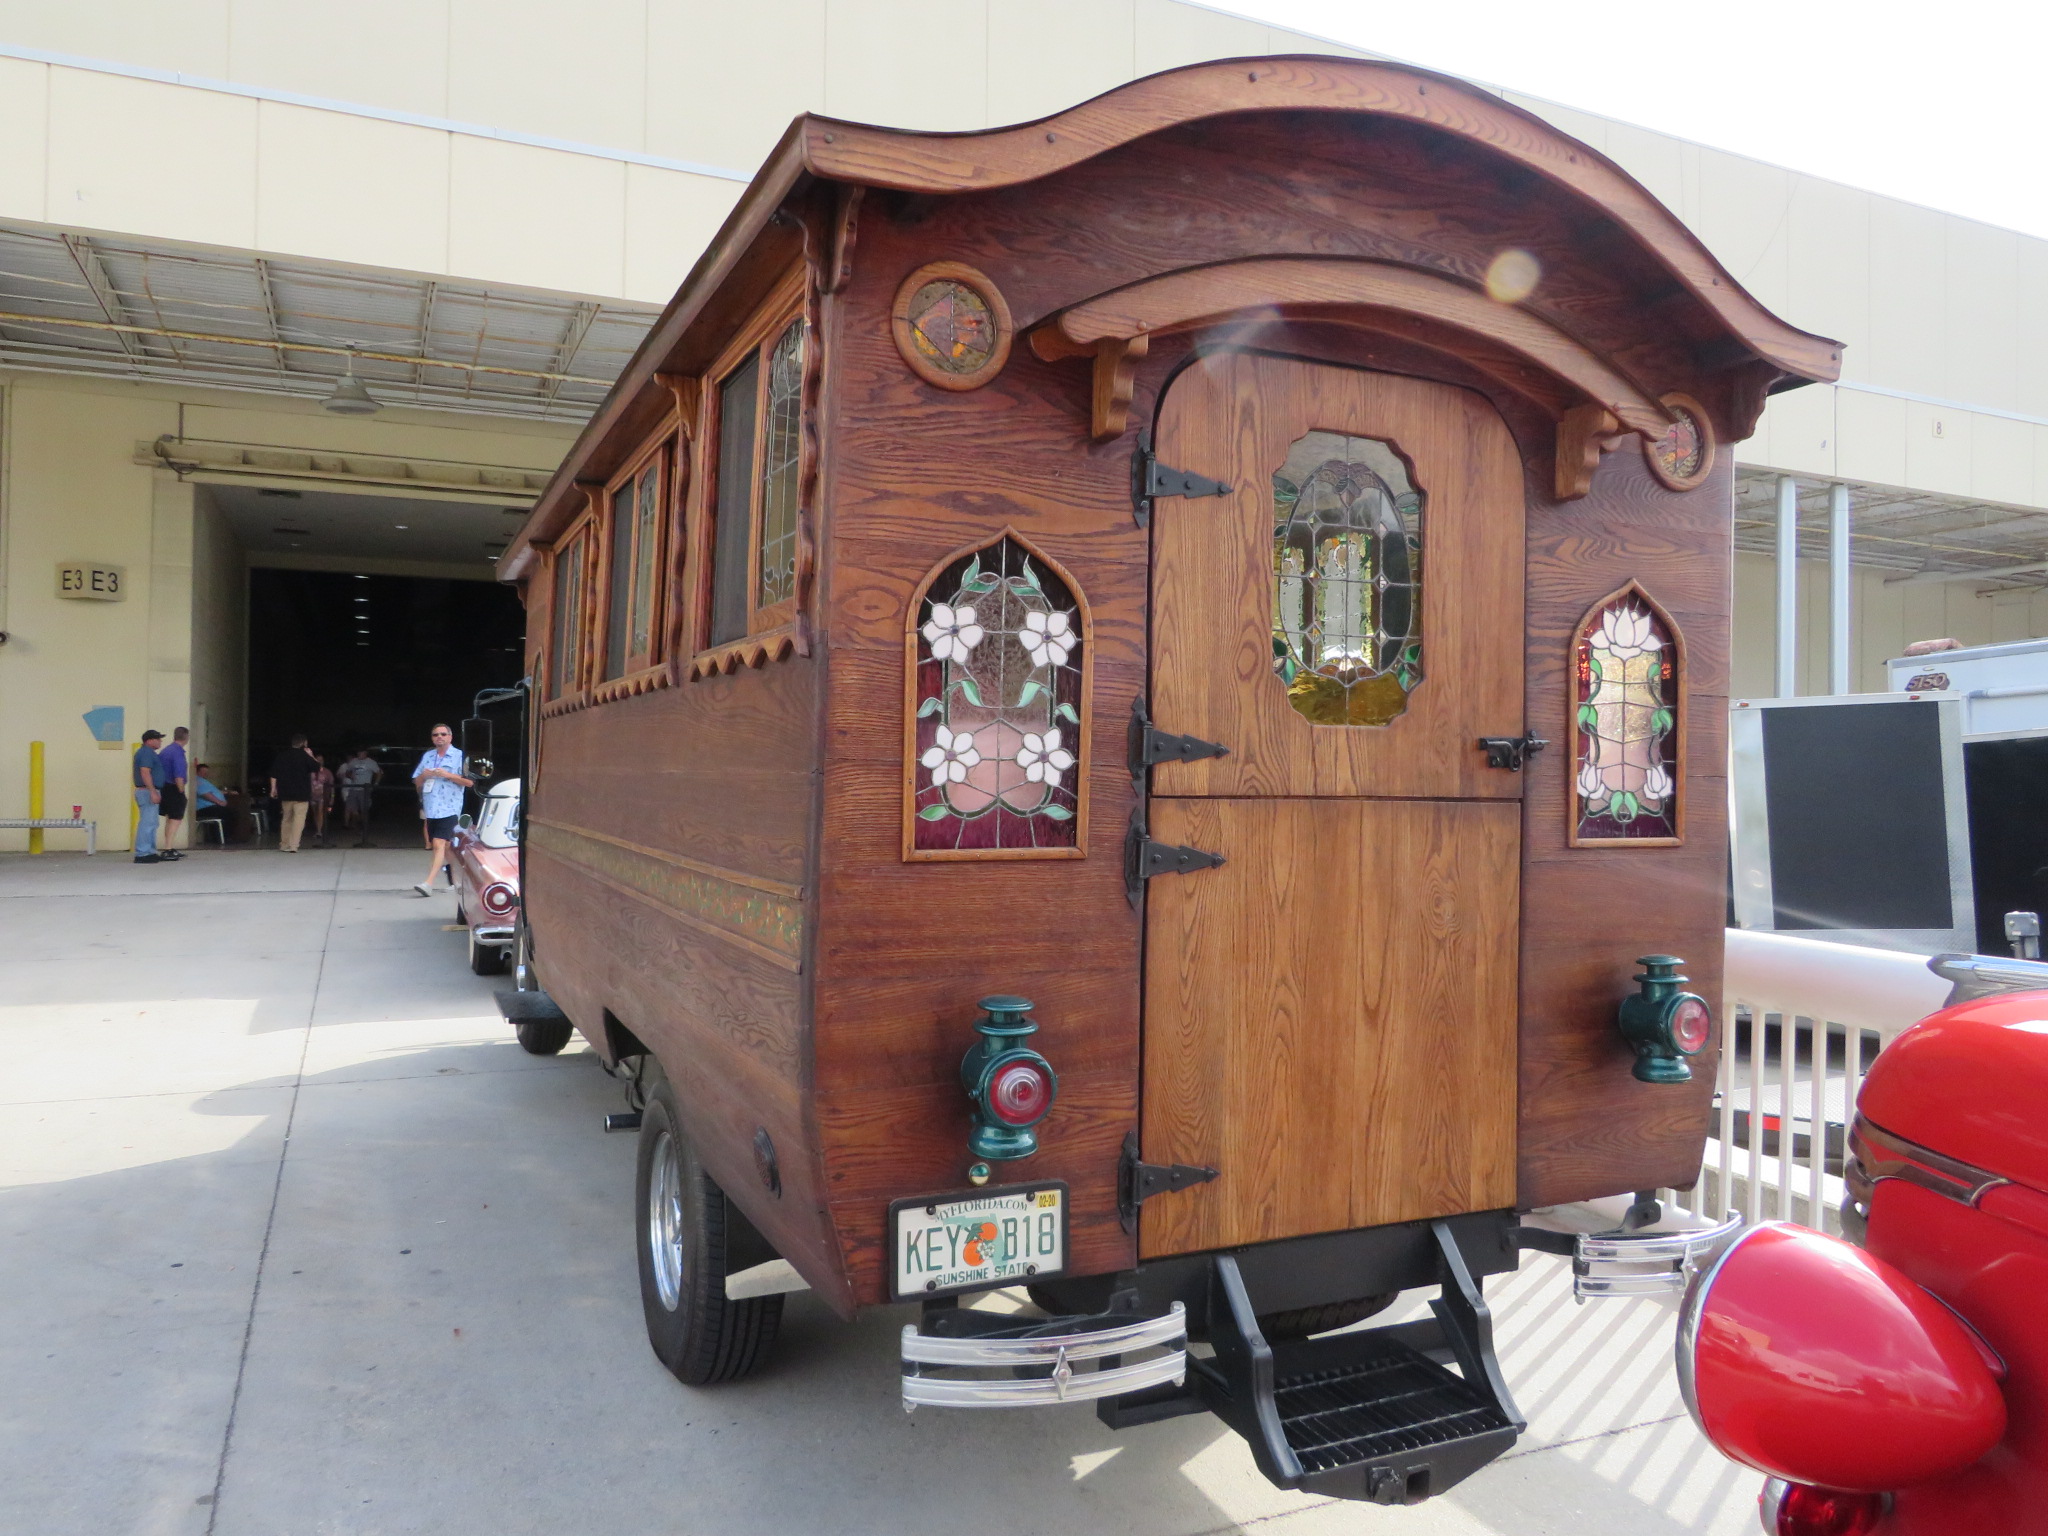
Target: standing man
(177,770)
(291,785)
(147,774)
(358,776)
(440,783)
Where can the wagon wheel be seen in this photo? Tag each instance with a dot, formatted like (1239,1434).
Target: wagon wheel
(700,1335)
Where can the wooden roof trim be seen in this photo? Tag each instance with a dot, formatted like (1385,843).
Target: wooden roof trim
(1195,296)
(979,161)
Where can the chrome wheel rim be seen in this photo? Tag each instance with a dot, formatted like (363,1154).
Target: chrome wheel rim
(665,1222)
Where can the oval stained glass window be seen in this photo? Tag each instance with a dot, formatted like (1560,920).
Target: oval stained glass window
(997,685)
(1347,579)
(1625,689)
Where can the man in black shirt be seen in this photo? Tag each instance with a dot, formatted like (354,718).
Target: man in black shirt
(291,785)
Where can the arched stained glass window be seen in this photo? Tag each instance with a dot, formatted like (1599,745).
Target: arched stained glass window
(1347,579)
(1625,673)
(997,695)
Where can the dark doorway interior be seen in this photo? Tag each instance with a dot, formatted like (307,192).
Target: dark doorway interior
(373,661)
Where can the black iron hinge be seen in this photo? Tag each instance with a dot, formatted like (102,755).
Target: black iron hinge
(1145,859)
(1510,752)
(1150,746)
(1150,478)
(1138,1181)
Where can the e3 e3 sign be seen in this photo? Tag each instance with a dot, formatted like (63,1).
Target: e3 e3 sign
(94,583)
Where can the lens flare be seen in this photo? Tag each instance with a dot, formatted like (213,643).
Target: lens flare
(1512,276)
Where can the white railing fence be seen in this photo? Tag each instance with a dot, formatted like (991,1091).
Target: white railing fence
(1801,1021)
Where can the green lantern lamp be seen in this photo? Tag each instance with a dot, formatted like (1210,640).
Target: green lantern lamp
(1010,1085)
(1663,1023)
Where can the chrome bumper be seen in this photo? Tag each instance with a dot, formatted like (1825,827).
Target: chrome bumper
(1645,1263)
(1046,1368)
(494,934)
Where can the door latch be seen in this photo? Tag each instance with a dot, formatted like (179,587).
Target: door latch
(1150,478)
(1150,746)
(1510,752)
(1145,859)
(1138,1181)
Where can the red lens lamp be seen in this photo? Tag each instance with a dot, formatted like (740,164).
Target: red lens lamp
(1010,1086)
(1800,1509)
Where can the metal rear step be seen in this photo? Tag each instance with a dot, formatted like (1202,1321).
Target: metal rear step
(1376,1415)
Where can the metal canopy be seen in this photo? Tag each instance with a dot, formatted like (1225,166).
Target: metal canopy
(1915,534)
(137,309)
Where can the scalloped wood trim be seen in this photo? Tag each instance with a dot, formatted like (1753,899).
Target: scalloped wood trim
(644,681)
(754,651)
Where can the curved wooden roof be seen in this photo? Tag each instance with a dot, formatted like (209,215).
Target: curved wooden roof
(980,161)
(829,149)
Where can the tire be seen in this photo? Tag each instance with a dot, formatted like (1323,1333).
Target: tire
(680,1220)
(546,1038)
(1300,1322)
(488,960)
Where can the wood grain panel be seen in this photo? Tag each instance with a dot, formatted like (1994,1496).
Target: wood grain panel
(1588,1127)
(1233,417)
(1330,1016)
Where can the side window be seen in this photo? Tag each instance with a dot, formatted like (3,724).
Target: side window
(736,411)
(565,655)
(634,529)
(1625,675)
(776,541)
(754,507)
(997,682)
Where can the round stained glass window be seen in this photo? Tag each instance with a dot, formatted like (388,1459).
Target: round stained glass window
(952,326)
(1684,452)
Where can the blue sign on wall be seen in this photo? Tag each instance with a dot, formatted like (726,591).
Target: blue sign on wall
(105,724)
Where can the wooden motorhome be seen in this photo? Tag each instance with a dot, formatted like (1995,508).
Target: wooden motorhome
(1235,574)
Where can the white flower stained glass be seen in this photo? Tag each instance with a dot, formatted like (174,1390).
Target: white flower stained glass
(1625,675)
(998,707)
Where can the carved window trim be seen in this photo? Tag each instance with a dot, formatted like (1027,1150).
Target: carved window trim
(777,629)
(569,678)
(1681,712)
(1083,763)
(668,449)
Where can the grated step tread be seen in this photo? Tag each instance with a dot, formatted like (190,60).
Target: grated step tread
(1390,1401)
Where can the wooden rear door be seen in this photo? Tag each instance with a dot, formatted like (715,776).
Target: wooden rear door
(1330,1016)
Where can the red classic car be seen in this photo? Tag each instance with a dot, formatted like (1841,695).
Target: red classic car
(1898,1386)
(484,857)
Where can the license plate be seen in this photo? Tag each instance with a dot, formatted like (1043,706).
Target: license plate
(970,1242)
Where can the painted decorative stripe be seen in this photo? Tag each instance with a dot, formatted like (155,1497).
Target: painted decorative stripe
(766,916)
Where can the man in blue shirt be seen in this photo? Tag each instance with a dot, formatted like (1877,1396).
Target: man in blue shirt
(147,775)
(440,783)
(177,769)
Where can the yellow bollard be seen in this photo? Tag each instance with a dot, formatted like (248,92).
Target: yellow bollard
(35,795)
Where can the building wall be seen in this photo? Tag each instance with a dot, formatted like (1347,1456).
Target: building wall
(70,490)
(1886,616)
(595,149)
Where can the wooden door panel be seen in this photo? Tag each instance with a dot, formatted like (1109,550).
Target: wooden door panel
(1330,1016)
(1233,417)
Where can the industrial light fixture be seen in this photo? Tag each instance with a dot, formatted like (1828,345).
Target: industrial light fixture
(349,397)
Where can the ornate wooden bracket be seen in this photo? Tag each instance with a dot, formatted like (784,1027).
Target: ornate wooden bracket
(683,388)
(845,229)
(1584,433)
(1116,360)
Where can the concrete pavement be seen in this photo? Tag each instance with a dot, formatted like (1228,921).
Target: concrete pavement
(295,1241)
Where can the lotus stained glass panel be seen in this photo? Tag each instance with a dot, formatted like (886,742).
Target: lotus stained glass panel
(1347,579)
(1625,672)
(996,759)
